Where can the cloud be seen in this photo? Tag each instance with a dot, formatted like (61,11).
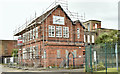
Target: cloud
(15,12)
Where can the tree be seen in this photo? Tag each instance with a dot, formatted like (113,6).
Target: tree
(108,37)
(15,53)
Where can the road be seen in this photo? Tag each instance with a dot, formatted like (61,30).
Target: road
(7,69)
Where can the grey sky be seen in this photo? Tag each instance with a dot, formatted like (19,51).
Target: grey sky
(15,12)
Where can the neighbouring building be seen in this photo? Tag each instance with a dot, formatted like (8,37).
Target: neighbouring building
(52,39)
(6,48)
(91,31)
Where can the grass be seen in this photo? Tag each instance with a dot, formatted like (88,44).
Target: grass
(109,70)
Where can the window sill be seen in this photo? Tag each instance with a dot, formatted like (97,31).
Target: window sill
(59,37)
(52,36)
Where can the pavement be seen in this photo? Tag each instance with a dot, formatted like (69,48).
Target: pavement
(4,68)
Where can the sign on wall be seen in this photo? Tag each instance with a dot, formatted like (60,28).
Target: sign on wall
(20,41)
(58,20)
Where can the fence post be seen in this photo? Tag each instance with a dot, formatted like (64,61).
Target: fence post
(106,57)
(116,56)
(91,58)
(112,53)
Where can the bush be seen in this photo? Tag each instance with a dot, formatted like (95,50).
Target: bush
(99,67)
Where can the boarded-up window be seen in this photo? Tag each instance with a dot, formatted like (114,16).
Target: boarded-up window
(66,53)
(88,27)
(27,53)
(92,38)
(36,32)
(58,53)
(30,52)
(75,53)
(24,53)
(84,38)
(36,50)
(30,34)
(78,33)
(44,53)
(96,26)
(23,38)
(33,51)
(88,38)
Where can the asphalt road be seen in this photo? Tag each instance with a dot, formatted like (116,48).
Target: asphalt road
(7,69)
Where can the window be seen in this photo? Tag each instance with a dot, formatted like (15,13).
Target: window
(36,32)
(36,50)
(66,53)
(75,53)
(84,38)
(27,53)
(33,51)
(88,27)
(24,53)
(26,36)
(96,26)
(58,31)
(88,38)
(58,53)
(51,31)
(44,53)
(30,34)
(23,38)
(92,38)
(78,33)
(30,52)
(66,32)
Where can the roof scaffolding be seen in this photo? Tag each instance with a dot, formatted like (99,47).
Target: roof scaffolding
(63,3)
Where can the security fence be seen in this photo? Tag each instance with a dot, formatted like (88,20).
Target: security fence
(102,56)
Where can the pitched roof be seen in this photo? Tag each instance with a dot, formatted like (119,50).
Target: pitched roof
(45,15)
(78,21)
(41,18)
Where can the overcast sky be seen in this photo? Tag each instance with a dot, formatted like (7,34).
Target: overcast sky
(14,13)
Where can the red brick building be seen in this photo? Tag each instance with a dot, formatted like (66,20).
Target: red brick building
(52,39)
(6,48)
(91,31)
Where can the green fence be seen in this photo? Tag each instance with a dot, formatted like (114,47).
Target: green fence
(101,56)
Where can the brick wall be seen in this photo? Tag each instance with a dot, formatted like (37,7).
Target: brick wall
(8,46)
(52,44)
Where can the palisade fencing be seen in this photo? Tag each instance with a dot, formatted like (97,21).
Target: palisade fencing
(100,57)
